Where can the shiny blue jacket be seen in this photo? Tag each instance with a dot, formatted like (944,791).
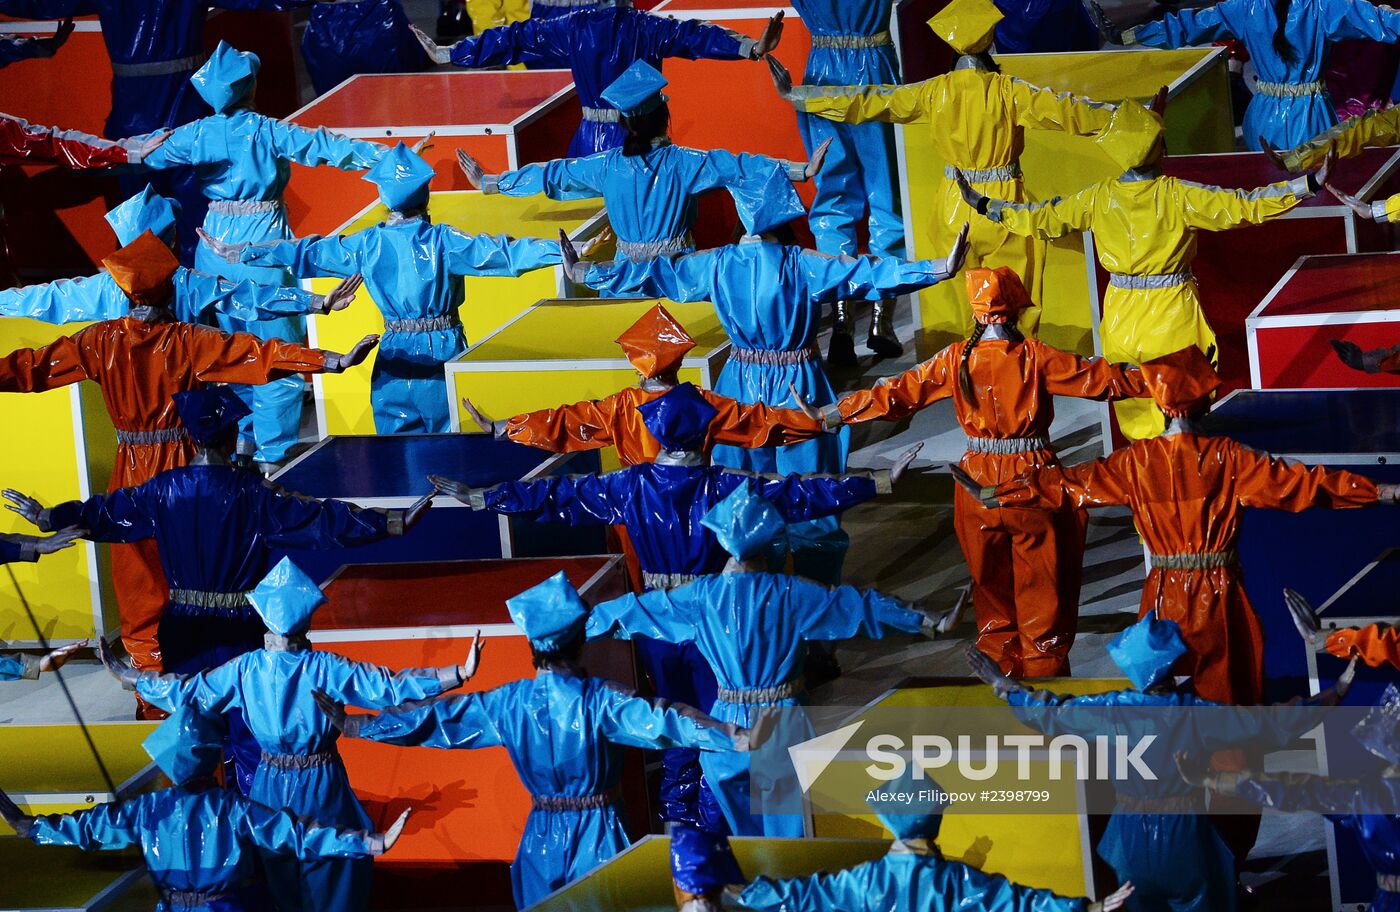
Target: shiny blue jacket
(14,667)
(1044,27)
(565,735)
(598,45)
(346,39)
(200,841)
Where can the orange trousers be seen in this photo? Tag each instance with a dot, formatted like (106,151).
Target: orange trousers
(1026,570)
(1224,640)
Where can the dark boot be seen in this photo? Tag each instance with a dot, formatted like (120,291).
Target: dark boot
(882,339)
(453,22)
(841,352)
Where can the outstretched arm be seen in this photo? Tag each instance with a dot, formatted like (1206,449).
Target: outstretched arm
(1066,374)
(495,254)
(1216,209)
(322,147)
(897,397)
(1376,644)
(34,370)
(1262,480)
(84,299)
(627,719)
(284,833)
(1044,109)
(561,179)
(518,42)
(1052,219)
(1184,28)
(115,825)
(459,722)
(658,615)
(22,142)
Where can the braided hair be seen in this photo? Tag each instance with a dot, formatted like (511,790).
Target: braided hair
(964,373)
(1281,45)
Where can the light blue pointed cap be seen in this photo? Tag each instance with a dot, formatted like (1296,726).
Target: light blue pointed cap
(402,177)
(551,613)
(188,743)
(286,598)
(637,91)
(744,522)
(1147,650)
(226,77)
(768,205)
(146,211)
(917,812)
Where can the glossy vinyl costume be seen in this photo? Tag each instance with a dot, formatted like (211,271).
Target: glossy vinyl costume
(413,271)
(243,160)
(22,142)
(565,735)
(201,845)
(139,365)
(1376,644)
(978,119)
(1044,27)
(769,299)
(1188,494)
(1026,566)
(301,770)
(1291,104)
(651,199)
(851,46)
(1145,226)
(599,44)
(752,629)
(368,36)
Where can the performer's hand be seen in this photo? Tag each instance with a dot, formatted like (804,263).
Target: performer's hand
(230,253)
(902,463)
(343,293)
(1113,901)
(60,540)
(990,673)
(416,510)
(1304,617)
(1322,178)
(765,722)
(59,657)
(436,53)
(569,253)
(1388,493)
(782,79)
(1345,679)
(950,619)
(137,150)
(986,495)
(976,201)
(471,168)
(480,420)
(596,243)
(385,841)
(25,506)
(472,497)
(346,723)
(337,363)
(1273,155)
(814,164)
(1352,356)
(1353,203)
(18,820)
(118,669)
(49,46)
(468,668)
(957,255)
(803,406)
(1106,26)
(423,144)
(768,41)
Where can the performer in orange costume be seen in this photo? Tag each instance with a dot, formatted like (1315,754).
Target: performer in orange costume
(656,345)
(1188,493)
(1026,565)
(140,361)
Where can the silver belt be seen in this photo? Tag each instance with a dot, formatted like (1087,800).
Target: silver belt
(182,899)
(1194,560)
(775,358)
(158,67)
(1390,883)
(852,42)
(1144,282)
(1175,804)
(151,438)
(984,175)
(572,802)
(297,761)
(1289,89)
(602,115)
(245,207)
(756,696)
(650,250)
(1005,446)
(209,599)
(667,580)
(427,324)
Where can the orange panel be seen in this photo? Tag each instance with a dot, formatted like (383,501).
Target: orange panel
(73,89)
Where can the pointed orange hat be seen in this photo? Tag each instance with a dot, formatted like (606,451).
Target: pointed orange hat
(997,295)
(656,344)
(144,270)
(1182,382)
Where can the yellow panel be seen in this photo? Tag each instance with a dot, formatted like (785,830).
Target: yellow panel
(56,759)
(489,302)
(568,330)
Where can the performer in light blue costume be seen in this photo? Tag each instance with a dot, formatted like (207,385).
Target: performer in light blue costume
(243,160)
(200,843)
(1159,836)
(650,187)
(768,298)
(752,627)
(599,45)
(413,270)
(199,297)
(301,769)
(1291,104)
(914,876)
(565,733)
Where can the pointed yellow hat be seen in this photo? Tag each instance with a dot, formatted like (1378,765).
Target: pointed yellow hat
(967,25)
(1133,137)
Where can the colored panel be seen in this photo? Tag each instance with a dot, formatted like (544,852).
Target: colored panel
(56,759)
(1301,357)
(343,399)
(1369,593)
(439,98)
(1341,423)
(1247,170)
(58,877)
(73,89)
(1333,285)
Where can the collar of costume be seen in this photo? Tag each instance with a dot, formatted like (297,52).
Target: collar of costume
(914,847)
(610,4)
(208,457)
(995,331)
(151,314)
(567,669)
(734,565)
(1182,425)
(971,62)
(1147,172)
(681,458)
(275,642)
(411,215)
(657,384)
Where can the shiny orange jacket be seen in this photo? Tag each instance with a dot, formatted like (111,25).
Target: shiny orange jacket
(1376,644)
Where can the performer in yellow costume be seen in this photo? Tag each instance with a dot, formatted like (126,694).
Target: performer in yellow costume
(1145,228)
(978,116)
(1346,140)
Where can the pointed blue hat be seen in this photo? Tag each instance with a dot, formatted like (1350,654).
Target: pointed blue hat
(1147,650)
(918,813)
(146,211)
(744,522)
(226,77)
(679,419)
(402,177)
(188,743)
(637,91)
(286,598)
(551,613)
(210,413)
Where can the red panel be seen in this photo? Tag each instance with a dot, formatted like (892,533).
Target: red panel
(1246,170)
(1352,284)
(432,99)
(1301,357)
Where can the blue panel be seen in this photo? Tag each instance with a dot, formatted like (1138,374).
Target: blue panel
(1311,421)
(1373,595)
